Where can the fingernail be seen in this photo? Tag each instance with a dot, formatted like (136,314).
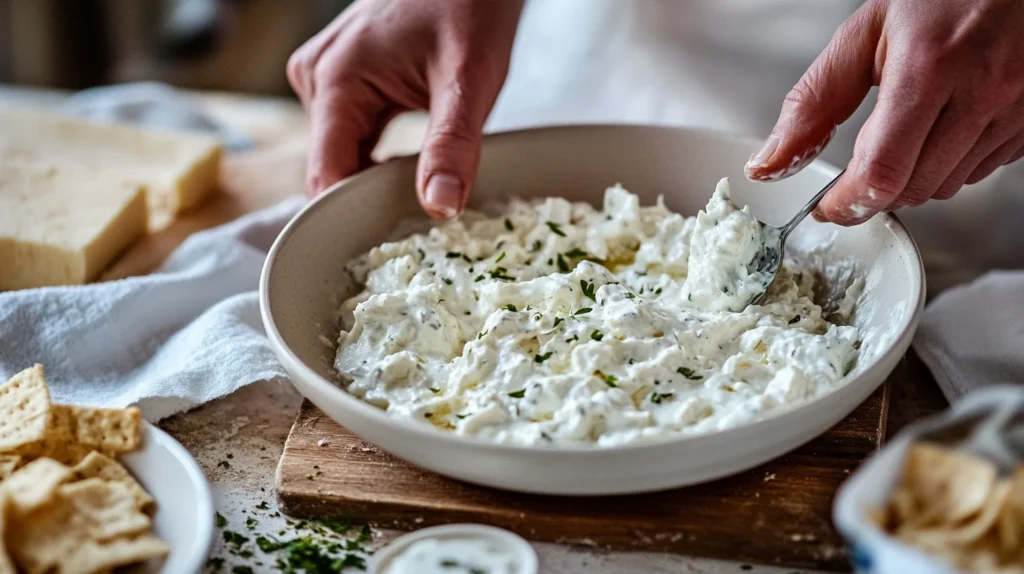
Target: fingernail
(764,154)
(444,194)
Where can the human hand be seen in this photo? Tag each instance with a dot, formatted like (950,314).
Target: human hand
(382,57)
(950,104)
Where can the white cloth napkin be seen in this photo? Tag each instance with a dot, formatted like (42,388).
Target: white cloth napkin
(972,336)
(184,335)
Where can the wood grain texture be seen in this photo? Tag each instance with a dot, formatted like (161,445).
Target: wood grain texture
(778,513)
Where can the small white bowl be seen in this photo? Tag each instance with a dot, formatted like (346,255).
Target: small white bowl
(873,551)
(303,281)
(184,505)
(525,553)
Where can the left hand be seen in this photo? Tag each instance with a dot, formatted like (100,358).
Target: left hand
(950,104)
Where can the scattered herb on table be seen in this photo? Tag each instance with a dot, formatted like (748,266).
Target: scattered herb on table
(219,520)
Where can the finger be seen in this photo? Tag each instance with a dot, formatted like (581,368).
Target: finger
(958,130)
(341,118)
(1005,154)
(451,149)
(827,94)
(910,99)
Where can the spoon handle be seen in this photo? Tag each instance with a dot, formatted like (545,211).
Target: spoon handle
(807,209)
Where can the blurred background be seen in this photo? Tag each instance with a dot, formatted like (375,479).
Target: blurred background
(229,45)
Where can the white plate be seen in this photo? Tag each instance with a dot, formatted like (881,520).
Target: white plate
(525,553)
(303,279)
(184,515)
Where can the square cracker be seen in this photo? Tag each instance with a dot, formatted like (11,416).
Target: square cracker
(34,485)
(91,526)
(99,465)
(111,430)
(24,410)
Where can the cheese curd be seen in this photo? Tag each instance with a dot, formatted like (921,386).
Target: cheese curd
(557,323)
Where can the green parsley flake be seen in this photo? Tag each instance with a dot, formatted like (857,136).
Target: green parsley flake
(542,358)
(511,307)
(794,320)
(597,335)
(219,520)
(250,523)
(563,267)
(555,228)
(452,255)
(518,394)
(576,253)
(689,374)
(447,281)
(657,398)
(536,246)
(609,380)
(235,539)
(500,257)
(588,290)
(508,225)
(582,311)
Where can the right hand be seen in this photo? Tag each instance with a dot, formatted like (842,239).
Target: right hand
(383,57)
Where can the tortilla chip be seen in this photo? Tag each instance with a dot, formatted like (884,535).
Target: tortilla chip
(99,465)
(24,409)
(8,464)
(110,430)
(948,486)
(34,485)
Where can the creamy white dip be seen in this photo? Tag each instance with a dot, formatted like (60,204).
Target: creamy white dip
(455,556)
(556,323)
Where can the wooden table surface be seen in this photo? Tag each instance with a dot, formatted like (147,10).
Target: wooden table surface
(249,427)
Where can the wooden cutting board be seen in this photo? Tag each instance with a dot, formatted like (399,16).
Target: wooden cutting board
(778,513)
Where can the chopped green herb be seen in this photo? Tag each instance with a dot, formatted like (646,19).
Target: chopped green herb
(223,464)
(262,506)
(479,278)
(422,254)
(536,246)
(365,534)
(573,338)
(794,320)
(501,273)
(576,253)
(241,570)
(582,311)
(588,290)
(511,307)
(554,326)
(630,296)
(447,281)
(508,225)
(563,267)
(656,398)
(215,564)
(449,563)
(453,255)
(435,390)
(250,523)
(460,417)
(597,335)
(657,291)
(849,366)
(689,374)
(232,538)
(500,257)
(542,358)
(609,380)
(219,520)
(269,545)
(555,228)
(467,259)
(518,394)
(427,415)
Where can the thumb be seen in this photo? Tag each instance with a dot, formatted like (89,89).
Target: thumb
(451,150)
(826,96)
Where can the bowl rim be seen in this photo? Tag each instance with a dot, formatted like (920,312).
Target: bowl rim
(387,554)
(198,549)
(339,395)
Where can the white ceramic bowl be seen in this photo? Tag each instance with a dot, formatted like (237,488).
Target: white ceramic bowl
(303,278)
(515,544)
(184,515)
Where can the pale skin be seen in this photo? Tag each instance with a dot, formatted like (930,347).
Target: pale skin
(950,107)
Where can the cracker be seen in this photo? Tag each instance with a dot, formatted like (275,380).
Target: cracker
(34,485)
(24,409)
(96,557)
(90,526)
(8,464)
(107,507)
(111,430)
(99,465)
(948,486)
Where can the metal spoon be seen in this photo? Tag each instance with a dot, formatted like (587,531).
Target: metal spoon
(769,258)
